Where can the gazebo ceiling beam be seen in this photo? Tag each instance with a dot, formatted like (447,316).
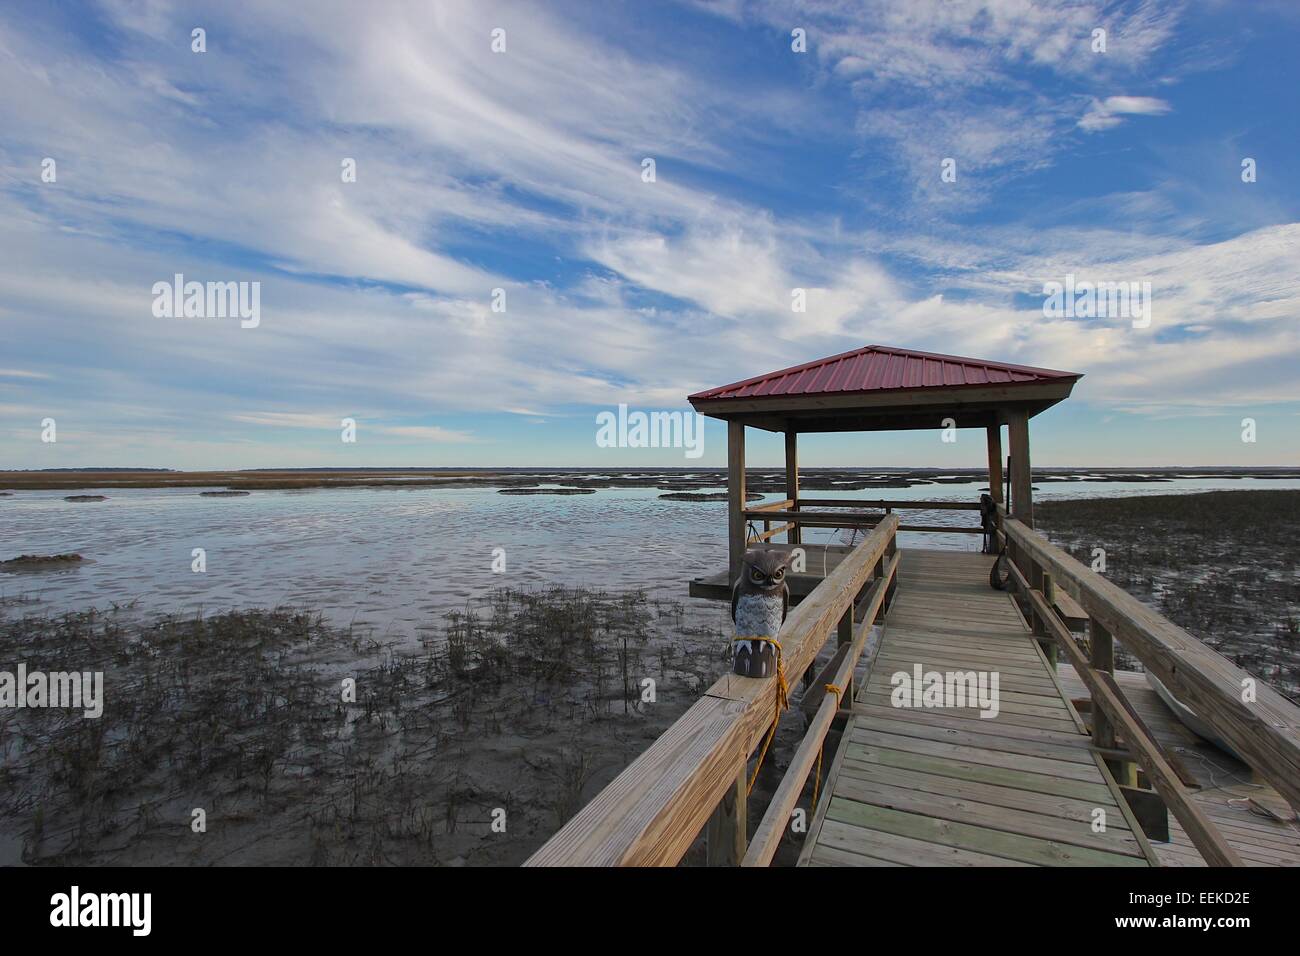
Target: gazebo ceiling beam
(1033,397)
(932,418)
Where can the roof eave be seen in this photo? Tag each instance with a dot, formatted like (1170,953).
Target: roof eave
(1033,396)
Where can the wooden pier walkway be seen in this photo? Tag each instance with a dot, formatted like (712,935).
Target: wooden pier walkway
(927,786)
(940,785)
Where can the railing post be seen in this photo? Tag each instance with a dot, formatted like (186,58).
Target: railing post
(995,462)
(736,536)
(794,535)
(726,833)
(1102,659)
(1048,590)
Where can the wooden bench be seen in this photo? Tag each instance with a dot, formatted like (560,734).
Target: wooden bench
(1072,615)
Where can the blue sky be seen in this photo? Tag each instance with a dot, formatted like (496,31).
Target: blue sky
(522,170)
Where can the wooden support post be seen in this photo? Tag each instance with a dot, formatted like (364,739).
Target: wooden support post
(727,830)
(795,534)
(1102,658)
(845,629)
(1022,487)
(1040,627)
(735,498)
(1022,482)
(995,463)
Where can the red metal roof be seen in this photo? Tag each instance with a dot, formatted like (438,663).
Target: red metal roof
(878,368)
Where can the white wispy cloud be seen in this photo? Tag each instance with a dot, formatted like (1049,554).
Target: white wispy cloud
(376,295)
(1103,114)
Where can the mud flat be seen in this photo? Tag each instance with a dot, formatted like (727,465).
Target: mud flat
(236,480)
(705,496)
(526,702)
(546,491)
(1221,564)
(41,562)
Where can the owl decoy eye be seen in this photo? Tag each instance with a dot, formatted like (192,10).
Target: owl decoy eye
(756,576)
(780,574)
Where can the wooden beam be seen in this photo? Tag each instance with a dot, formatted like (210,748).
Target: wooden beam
(995,462)
(651,813)
(1049,594)
(773,532)
(844,632)
(1022,481)
(1264,729)
(907,505)
(792,481)
(1103,661)
(725,834)
(819,519)
(814,519)
(735,498)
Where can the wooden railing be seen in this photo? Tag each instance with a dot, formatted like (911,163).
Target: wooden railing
(767,838)
(1261,725)
(794,515)
(695,773)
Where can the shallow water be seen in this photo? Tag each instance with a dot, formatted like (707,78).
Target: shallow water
(399,559)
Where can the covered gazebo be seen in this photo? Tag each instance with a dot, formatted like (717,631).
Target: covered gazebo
(878,388)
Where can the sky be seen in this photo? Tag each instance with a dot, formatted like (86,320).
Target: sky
(502,267)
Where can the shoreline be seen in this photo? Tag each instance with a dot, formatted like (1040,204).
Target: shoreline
(763,480)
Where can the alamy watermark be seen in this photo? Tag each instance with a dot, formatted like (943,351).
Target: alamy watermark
(179,299)
(130,910)
(923,688)
(82,691)
(1085,299)
(651,430)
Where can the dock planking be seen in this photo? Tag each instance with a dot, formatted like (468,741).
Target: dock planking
(930,786)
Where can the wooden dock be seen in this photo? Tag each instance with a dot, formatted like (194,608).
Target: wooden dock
(936,786)
(945,782)
(1039,782)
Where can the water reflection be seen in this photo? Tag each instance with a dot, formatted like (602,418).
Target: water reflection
(399,559)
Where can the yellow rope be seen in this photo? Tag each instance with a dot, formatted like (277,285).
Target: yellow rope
(782,701)
(817,781)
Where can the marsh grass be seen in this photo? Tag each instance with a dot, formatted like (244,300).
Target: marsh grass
(523,702)
(1222,565)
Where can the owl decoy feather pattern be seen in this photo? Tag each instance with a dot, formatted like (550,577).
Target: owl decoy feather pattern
(760,600)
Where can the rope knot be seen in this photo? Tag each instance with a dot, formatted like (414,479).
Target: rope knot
(782,699)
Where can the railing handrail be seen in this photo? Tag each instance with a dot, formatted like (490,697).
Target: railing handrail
(1108,704)
(901,505)
(771,828)
(832,519)
(1265,731)
(652,812)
